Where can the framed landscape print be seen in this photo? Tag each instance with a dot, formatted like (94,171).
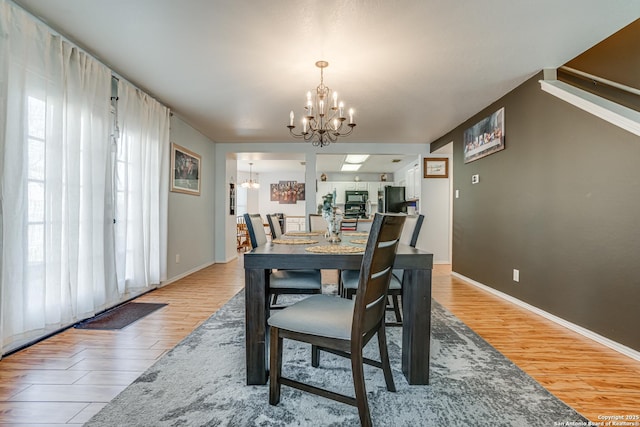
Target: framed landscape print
(436,167)
(485,137)
(185,170)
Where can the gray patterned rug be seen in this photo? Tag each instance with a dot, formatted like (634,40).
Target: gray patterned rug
(201,382)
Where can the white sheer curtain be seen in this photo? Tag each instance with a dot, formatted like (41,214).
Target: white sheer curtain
(54,148)
(142,186)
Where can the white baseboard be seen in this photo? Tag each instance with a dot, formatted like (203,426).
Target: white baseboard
(229,259)
(560,321)
(185,274)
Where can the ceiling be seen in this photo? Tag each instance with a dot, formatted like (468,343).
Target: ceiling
(295,162)
(412,70)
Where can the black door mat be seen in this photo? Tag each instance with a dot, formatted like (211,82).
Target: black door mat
(121,316)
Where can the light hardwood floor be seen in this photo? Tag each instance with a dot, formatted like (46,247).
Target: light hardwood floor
(67,378)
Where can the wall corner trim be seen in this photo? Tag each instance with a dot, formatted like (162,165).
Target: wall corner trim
(629,352)
(613,113)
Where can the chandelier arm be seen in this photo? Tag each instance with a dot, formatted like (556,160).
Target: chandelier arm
(309,136)
(351,126)
(296,135)
(333,137)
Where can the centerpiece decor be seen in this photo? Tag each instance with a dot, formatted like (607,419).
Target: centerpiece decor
(333,215)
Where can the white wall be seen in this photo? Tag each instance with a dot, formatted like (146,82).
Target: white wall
(190,218)
(435,205)
(266,206)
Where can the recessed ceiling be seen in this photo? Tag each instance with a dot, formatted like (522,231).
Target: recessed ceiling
(412,70)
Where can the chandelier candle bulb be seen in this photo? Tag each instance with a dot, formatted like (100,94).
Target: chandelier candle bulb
(341,110)
(350,115)
(335,100)
(291,118)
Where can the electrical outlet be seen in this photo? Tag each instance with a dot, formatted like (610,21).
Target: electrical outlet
(516,275)
(475,179)
(177,258)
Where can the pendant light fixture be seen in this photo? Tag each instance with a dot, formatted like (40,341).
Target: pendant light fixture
(250,183)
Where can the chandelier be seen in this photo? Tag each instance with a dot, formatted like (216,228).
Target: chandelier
(323,120)
(250,183)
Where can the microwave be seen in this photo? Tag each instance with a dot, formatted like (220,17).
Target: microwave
(356,196)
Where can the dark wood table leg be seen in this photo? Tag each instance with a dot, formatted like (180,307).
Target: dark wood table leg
(256,311)
(416,329)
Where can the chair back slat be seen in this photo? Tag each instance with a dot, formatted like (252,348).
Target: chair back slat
(349,224)
(255,227)
(274,226)
(317,223)
(375,273)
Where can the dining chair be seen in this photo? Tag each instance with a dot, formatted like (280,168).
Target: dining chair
(349,278)
(281,282)
(343,326)
(349,224)
(274,226)
(242,234)
(317,223)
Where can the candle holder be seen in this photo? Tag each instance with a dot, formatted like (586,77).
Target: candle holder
(333,235)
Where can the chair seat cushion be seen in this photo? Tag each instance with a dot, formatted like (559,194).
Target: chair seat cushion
(350,279)
(320,315)
(295,279)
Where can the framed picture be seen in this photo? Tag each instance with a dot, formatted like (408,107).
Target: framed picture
(186,169)
(287,192)
(232,199)
(436,167)
(485,137)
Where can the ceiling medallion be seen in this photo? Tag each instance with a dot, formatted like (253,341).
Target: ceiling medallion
(323,120)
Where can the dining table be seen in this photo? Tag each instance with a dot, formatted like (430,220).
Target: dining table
(416,294)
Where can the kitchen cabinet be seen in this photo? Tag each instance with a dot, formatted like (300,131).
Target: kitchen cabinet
(362,186)
(327,187)
(413,181)
(374,187)
(295,223)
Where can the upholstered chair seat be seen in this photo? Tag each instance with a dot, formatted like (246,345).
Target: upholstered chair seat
(281,282)
(321,315)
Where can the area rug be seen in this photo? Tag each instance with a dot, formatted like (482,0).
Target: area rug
(201,382)
(120,316)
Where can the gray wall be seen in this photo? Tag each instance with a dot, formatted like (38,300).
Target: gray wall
(560,204)
(191,231)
